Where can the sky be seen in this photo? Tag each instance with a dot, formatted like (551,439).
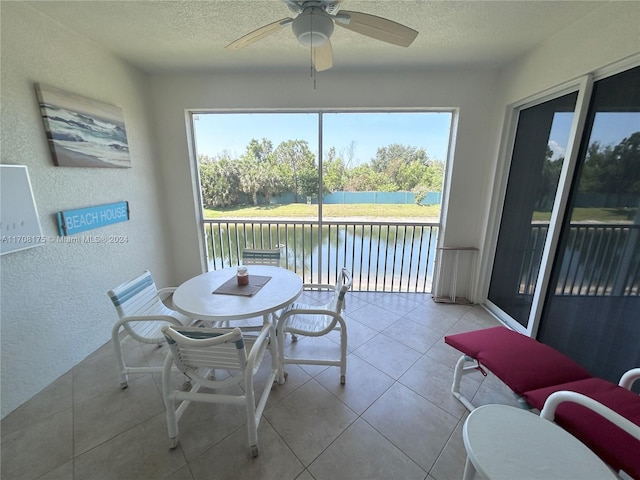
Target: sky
(232,132)
(609,129)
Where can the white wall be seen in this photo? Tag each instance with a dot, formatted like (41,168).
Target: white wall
(54,306)
(605,36)
(472,92)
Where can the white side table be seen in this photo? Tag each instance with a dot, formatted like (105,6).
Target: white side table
(507,443)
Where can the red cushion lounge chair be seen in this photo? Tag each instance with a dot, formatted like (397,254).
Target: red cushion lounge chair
(601,414)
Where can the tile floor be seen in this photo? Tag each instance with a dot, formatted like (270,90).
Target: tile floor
(394,419)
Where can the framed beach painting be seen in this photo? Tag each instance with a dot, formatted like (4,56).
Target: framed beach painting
(83,132)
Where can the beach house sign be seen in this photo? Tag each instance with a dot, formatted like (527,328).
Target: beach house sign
(83,219)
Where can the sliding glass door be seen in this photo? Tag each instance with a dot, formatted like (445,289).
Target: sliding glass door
(567,259)
(592,308)
(538,155)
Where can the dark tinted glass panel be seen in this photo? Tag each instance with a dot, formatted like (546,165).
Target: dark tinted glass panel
(592,311)
(538,155)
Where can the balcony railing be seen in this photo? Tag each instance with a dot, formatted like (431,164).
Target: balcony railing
(602,260)
(382,256)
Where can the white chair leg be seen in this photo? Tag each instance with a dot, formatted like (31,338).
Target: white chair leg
(469,470)
(172,425)
(117,350)
(282,375)
(343,353)
(252,426)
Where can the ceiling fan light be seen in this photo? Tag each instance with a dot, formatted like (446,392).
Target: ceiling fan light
(312,28)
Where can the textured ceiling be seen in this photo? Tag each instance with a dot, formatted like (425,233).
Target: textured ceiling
(166,36)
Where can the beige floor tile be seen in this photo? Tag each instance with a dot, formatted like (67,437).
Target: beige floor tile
(413,334)
(231,459)
(357,334)
(364,384)
(309,420)
(414,425)
(432,380)
(35,450)
(55,398)
(63,472)
(363,453)
(102,417)
(399,304)
(305,476)
(435,316)
(99,376)
(450,463)
(183,473)
(141,452)
(446,355)
(375,317)
(388,355)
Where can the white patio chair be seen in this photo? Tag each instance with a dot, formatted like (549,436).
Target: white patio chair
(198,352)
(142,316)
(316,321)
(260,256)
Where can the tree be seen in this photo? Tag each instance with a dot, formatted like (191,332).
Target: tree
(261,150)
(549,182)
(403,165)
(219,181)
(299,163)
(333,171)
(249,177)
(254,168)
(433,176)
(385,156)
(364,179)
(613,169)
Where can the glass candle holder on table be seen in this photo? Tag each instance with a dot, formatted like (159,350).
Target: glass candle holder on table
(243,275)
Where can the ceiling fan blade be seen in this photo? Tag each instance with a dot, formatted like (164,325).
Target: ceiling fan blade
(376,27)
(323,57)
(259,34)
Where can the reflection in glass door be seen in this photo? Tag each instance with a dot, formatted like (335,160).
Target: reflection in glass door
(541,140)
(592,309)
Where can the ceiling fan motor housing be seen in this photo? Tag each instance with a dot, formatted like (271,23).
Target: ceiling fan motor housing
(312,27)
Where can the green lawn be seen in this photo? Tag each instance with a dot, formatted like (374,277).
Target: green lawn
(601,215)
(301,210)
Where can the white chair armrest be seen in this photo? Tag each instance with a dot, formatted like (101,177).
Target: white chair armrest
(165,292)
(549,410)
(627,380)
(309,311)
(257,349)
(150,318)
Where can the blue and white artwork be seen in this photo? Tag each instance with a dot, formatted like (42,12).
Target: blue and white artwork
(83,132)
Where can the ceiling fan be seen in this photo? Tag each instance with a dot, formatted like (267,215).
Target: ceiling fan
(313,26)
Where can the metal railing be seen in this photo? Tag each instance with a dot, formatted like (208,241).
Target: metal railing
(601,260)
(382,256)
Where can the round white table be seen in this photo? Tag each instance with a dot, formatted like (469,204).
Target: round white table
(508,443)
(195,299)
